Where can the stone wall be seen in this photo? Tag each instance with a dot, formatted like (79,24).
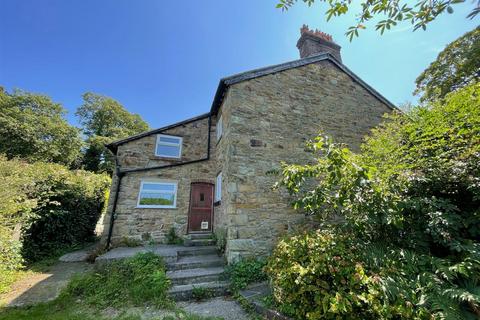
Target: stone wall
(147,224)
(269,120)
(265,121)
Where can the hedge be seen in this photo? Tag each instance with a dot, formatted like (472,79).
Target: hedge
(45,207)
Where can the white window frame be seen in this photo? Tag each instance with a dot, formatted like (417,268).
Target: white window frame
(219,128)
(174,183)
(218,187)
(179,145)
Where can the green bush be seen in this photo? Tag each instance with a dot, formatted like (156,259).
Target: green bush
(201,293)
(244,272)
(134,281)
(10,259)
(173,238)
(416,185)
(70,204)
(318,276)
(47,207)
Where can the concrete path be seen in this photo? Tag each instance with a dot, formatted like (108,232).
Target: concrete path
(221,308)
(43,287)
(168,252)
(227,309)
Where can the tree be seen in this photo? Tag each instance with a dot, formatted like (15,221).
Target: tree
(33,127)
(420,12)
(457,66)
(105,120)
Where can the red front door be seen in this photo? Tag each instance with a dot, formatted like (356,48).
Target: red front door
(201,208)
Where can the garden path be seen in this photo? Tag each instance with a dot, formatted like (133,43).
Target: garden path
(43,286)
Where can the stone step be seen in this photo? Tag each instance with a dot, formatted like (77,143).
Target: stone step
(193,276)
(194,236)
(193,262)
(198,242)
(197,251)
(207,289)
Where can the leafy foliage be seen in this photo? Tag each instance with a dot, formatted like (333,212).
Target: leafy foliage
(201,293)
(244,272)
(45,207)
(457,66)
(417,184)
(420,13)
(134,281)
(11,260)
(33,128)
(220,238)
(172,237)
(319,276)
(105,120)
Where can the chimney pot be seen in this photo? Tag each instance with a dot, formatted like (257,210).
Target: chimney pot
(314,42)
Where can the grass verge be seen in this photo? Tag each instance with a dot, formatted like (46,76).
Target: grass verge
(120,290)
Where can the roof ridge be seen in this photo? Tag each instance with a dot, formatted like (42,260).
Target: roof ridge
(255,73)
(259,72)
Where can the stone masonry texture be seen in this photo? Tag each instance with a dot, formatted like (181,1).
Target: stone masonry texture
(152,224)
(279,113)
(266,120)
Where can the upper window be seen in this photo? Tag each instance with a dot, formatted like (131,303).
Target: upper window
(168,146)
(218,187)
(219,128)
(157,195)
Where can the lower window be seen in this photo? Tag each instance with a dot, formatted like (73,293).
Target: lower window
(157,195)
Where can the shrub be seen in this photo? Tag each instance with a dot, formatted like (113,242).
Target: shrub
(244,272)
(47,207)
(69,205)
(201,293)
(10,259)
(173,238)
(415,183)
(133,281)
(317,275)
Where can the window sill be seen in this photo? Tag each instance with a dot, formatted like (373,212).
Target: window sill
(167,157)
(155,207)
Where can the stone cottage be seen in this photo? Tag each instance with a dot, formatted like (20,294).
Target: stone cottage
(208,173)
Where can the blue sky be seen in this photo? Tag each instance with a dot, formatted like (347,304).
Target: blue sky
(163,59)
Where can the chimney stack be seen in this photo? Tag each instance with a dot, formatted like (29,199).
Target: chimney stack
(316,42)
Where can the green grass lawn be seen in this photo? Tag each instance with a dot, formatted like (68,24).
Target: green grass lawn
(121,290)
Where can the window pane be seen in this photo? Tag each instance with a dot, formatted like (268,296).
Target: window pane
(170,139)
(169,151)
(218,187)
(157,199)
(219,128)
(158,186)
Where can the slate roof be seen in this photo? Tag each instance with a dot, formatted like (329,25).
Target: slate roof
(252,74)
